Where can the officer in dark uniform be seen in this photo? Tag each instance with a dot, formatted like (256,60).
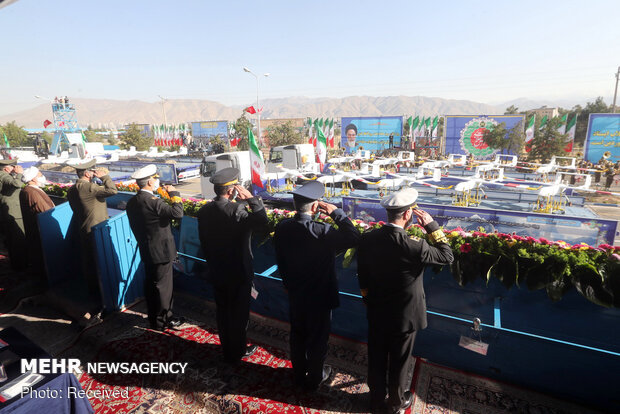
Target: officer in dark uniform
(149,217)
(390,266)
(11,222)
(305,253)
(87,200)
(225,228)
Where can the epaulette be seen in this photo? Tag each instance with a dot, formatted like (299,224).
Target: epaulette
(414,238)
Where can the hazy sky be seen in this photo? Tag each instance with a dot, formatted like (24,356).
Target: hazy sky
(485,51)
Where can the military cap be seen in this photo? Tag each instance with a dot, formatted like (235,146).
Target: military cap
(226,176)
(400,199)
(145,172)
(312,190)
(8,162)
(85,166)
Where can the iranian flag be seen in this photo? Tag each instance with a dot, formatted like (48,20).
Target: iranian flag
(321,148)
(562,128)
(423,127)
(6,140)
(543,122)
(332,138)
(570,131)
(414,127)
(410,123)
(529,134)
(256,161)
(435,127)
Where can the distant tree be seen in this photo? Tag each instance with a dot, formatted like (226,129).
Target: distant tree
(597,107)
(512,140)
(111,138)
(47,137)
(284,134)
(91,135)
(511,110)
(17,135)
(219,144)
(133,136)
(241,126)
(496,137)
(548,142)
(516,139)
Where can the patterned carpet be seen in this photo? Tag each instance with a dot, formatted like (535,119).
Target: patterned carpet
(263,383)
(440,390)
(260,384)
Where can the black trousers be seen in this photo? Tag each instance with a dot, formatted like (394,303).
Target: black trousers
(158,292)
(232,308)
(310,329)
(89,266)
(390,365)
(15,241)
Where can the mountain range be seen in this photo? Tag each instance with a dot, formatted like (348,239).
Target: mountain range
(106,113)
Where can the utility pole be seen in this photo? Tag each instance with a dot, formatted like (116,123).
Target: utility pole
(163,109)
(613,105)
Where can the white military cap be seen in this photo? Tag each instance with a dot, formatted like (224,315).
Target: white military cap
(145,172)
(400,199)
(29,174)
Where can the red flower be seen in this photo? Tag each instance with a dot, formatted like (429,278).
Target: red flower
(544,241)
(465,248)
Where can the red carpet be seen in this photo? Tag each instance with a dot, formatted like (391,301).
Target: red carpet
(261,384)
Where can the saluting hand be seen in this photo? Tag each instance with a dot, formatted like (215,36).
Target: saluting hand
(243,193)
(423,217)
(326,207)
(169,188)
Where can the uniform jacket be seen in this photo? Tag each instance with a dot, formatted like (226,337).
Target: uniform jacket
(149,218)
(390,264)
(87,201)
(225,230)
(305,252)
(10,185)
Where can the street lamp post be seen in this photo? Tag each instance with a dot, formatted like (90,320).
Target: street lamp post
(260,137)
(163,109)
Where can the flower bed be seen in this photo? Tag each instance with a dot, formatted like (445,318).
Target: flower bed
(555,266)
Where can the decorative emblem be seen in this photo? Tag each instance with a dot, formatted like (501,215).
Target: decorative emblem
(471,137)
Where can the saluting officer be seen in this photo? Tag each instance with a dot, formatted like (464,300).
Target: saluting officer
(390,266)
(305,253)
(225,229)
(87,200)
(149,218)
(11,222)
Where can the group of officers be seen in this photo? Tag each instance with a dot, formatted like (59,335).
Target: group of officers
(390,268)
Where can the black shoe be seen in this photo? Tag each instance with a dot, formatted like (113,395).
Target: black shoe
(175,322)
(249,351)
(327,373)
(406,404)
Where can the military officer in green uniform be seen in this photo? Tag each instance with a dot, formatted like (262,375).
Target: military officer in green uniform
(87,200)
(11,222)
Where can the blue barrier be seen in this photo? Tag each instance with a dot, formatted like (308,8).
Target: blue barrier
(119,265)
(570,348)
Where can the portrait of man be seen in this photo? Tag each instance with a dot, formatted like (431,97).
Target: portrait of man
(351,134)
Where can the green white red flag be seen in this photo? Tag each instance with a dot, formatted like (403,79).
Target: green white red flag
(435,127)
(571,127)
(256,161)
(543,122)
(321,148)
(562,128)
(529,134)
